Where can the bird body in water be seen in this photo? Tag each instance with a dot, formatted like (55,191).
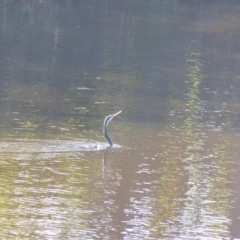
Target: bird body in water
(105,125)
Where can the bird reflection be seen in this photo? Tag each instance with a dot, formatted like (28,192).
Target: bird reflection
(105,166)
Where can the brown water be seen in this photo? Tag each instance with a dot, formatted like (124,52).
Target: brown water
(172,67)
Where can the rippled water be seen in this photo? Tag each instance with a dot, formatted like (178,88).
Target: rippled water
(50,146)
(172,68)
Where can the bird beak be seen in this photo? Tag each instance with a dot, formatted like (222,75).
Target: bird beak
(114,115)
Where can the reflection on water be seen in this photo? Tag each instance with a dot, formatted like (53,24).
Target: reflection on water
(66,195)
(172,68)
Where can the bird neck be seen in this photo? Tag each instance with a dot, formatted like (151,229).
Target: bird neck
(107,137)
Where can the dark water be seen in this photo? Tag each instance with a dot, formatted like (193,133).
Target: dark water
(172,67)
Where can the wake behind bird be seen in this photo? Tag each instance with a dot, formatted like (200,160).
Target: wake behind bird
(51,146)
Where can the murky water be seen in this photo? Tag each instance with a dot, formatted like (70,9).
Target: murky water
(172,67)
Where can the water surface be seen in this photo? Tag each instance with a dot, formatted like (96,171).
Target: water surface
(172,67)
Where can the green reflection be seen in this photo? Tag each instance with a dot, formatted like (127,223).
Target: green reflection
(197,167)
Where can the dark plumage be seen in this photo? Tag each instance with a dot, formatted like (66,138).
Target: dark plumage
(105,124)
